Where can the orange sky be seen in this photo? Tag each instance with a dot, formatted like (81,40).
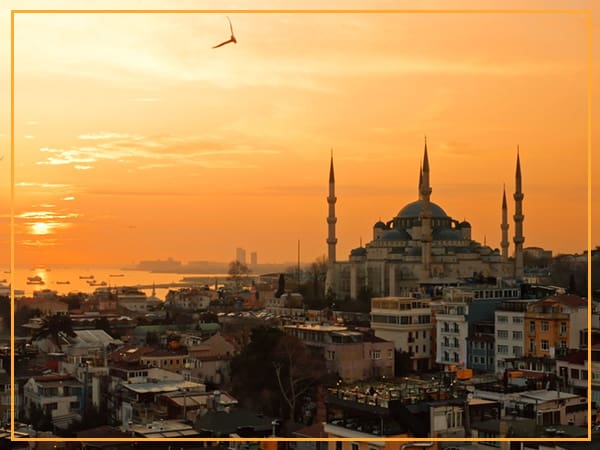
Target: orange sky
(135,140)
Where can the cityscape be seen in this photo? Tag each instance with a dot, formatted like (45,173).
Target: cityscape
(299,232)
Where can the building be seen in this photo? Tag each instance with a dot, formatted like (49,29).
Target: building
(240,255)
(553,325)
(253,258)
(573,372)
(452,328)
(480,348)
(61,395)
(353,355)
(509,323)
(420,244)
(405,321)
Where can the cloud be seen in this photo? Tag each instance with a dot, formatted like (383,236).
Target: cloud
(29,136)
(42,185)
(70,198)
(46,215)
(156,152)
(39,242)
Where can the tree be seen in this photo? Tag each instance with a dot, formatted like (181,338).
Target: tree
(53,327)
(297,371)
(252,376)
(238,271)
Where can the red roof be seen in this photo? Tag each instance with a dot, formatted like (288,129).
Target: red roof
(571,300)
(578,357)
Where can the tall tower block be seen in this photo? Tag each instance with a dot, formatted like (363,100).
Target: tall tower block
(518,217)
(331,239)
(504,227)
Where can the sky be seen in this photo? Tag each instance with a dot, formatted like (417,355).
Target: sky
(135,140)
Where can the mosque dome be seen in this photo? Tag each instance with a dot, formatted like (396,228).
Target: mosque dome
(446,234)
(379,224)
(464,224)
(360,251)
(414,210)
(396,235)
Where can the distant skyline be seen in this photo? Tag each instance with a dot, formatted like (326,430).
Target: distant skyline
(144,142)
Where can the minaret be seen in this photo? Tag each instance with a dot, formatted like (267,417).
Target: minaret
(519,238)
(426,216)
(504,227)
(331,239)
(420,179)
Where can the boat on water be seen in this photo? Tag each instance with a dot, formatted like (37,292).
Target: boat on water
(3,281)
(117,275)
(35,280)
(86,277)
(63,282)
(94,283)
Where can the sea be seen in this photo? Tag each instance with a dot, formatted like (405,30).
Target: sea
(65,280)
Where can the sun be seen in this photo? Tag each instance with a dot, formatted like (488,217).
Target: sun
(40,228)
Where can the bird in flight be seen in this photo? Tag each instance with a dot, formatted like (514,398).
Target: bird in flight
(231,39)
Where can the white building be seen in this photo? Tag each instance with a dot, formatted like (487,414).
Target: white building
(452,327)
(58,394)
(406,321)
(509,321)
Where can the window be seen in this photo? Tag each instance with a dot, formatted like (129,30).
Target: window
(575,374)
(455,328)
(330,355)
(563,328)
(563,344)
(501,319)
(338,445)
(517,319)
(455,342)
(405,320)
(532,345)
(502,349)
(416,349)
(446,341)
(446,356)
(532,327)
(517,335)
(545,326)
(355,446)
(545,345)
(502,334)
(390,353)
(455,357)
(376,354)
(517,350)
(410,352)
(446,327)
(424,349)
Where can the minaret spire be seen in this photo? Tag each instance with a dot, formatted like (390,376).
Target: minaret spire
(425,187)
(504,226)
(518,218)
(420,179)
(425,216)
(331,239)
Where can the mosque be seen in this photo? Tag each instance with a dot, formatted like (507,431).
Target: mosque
(421,248)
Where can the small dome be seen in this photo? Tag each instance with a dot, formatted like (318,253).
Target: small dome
(360,251)
(379,224)
(396,235)
(414,210)
(464,224)
(446,234)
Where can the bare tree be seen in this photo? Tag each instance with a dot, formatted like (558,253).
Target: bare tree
(296,371)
